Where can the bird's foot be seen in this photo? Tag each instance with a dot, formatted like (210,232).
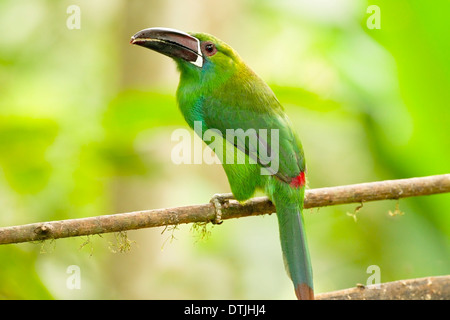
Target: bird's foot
(219,200)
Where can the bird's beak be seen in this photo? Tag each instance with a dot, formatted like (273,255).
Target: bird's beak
(170,42)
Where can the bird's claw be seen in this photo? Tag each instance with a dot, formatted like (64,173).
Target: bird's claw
(219,200)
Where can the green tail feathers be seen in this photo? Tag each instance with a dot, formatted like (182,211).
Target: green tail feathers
(289,204)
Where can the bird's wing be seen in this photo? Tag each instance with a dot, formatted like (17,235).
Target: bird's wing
(259,129)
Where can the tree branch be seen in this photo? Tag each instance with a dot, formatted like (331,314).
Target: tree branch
(430,288)
(357,193)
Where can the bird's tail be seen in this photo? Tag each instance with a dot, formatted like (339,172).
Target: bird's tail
(289,204)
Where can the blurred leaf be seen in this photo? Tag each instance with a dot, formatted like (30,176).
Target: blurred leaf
(18,278)
(133,111)
(424,77)
(23,145)
(129,114)
(303,98)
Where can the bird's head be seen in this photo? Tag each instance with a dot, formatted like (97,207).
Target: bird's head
(195,53)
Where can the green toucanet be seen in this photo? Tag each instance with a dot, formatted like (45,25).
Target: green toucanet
(220,92)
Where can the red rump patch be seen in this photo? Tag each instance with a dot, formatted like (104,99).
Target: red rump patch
(298,181)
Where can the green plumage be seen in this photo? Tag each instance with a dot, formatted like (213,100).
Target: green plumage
(224,93)
(227,94)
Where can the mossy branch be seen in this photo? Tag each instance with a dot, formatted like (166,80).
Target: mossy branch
(356,193)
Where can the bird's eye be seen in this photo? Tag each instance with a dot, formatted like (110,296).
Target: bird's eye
(209,48)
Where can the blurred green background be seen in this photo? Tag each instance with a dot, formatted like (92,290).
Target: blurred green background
(86,120)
